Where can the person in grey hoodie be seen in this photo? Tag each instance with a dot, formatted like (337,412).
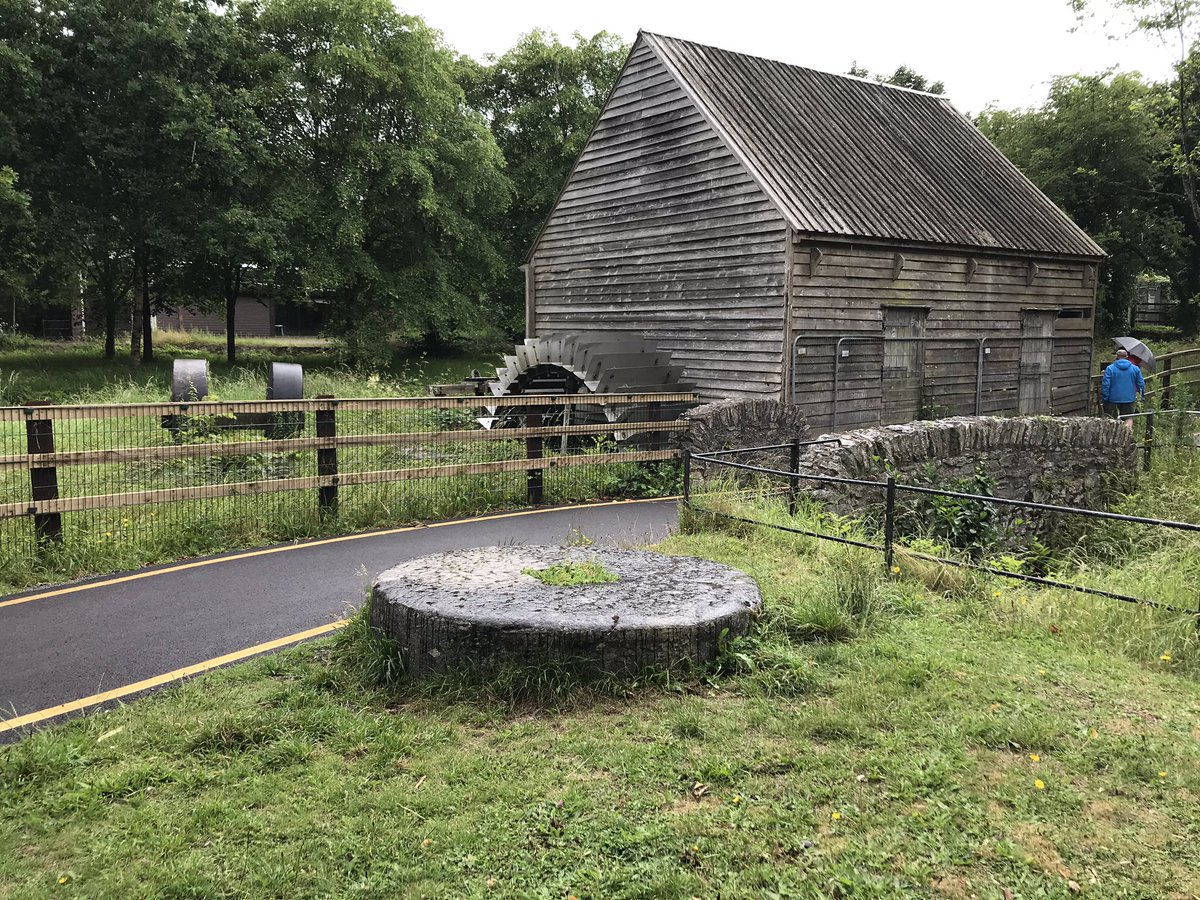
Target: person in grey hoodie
(1120,387)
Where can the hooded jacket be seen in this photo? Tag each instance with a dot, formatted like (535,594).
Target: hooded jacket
(1122,382)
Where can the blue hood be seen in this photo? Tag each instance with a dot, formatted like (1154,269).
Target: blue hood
(1123,364)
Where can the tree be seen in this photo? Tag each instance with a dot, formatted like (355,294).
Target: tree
(1099,150)
(902,77)
(541,99)
(389,174)
(112,149)
(19,89)
(1177,24)
(238,223)
(16,244)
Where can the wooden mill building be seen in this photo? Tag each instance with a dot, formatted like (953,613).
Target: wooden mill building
(769,224)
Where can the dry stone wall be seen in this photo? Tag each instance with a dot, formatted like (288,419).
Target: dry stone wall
(1066,461)
(728,424)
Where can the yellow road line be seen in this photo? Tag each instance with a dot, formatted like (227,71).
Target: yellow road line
(167,570)
(166,678)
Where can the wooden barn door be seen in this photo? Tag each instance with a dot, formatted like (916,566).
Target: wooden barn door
(1037,352)
(903,364)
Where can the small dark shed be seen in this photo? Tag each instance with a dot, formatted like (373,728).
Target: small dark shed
(787,233)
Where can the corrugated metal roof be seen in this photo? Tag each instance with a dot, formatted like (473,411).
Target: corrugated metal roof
(847,157)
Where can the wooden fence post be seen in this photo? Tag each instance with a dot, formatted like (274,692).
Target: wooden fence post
(1148,442)
(534,480)
(327,457)
(39,435)
(1165,402)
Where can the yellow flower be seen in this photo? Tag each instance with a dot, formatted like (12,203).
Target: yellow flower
(997,593)
(1162,774)
(835,816)
(1166,657)
(736,799)
(895,570)
(1035,757)
(1042,672)
(63,880)
(1039,784)
(108,534)
(1095,733)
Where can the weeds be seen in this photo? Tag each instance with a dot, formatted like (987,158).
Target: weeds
(571,573)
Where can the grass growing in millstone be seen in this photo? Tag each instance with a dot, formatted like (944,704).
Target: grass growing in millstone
(872,738)
(570,573)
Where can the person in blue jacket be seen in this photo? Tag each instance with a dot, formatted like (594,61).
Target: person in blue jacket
(1121,385)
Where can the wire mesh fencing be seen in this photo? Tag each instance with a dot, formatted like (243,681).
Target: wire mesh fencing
(104,487)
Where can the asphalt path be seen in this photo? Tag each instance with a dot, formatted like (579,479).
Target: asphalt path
(70,644)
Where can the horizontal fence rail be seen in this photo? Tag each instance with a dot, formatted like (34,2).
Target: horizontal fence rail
(890,489)
(1177,374)
(163,478)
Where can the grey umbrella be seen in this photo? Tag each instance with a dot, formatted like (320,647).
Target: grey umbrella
(1142,355)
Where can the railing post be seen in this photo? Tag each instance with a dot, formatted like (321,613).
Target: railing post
(1165,402)
(1148,442)
(794,478)
(687,477)
(889,523)
(327,457)
(534,480)
(43,480)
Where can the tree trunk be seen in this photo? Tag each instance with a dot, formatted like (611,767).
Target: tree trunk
(110,327)
(233,287)
(147,331)
(135,332)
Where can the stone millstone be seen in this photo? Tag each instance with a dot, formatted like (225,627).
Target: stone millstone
(475,609)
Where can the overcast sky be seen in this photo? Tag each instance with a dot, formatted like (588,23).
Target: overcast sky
(1003,52)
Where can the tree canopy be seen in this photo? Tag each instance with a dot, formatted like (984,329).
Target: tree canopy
(902,77)
(541,99)
(1097,147)
(156,153)
(179,149)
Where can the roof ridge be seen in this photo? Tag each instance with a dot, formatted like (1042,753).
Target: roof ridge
(871,81)
(732,143)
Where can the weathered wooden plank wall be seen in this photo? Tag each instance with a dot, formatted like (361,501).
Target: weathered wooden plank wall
(843,289)
(661,232)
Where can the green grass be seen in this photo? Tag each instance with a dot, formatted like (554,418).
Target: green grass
(101,541)
(570,573)
(873,738)
(34,370)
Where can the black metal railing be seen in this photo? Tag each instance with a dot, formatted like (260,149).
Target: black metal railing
(890,489)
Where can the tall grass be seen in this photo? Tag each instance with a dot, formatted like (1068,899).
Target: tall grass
(1155,564)
(33,370)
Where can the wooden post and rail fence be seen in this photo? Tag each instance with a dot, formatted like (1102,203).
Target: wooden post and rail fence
(120,456)
(1177,372)
(1180,369)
